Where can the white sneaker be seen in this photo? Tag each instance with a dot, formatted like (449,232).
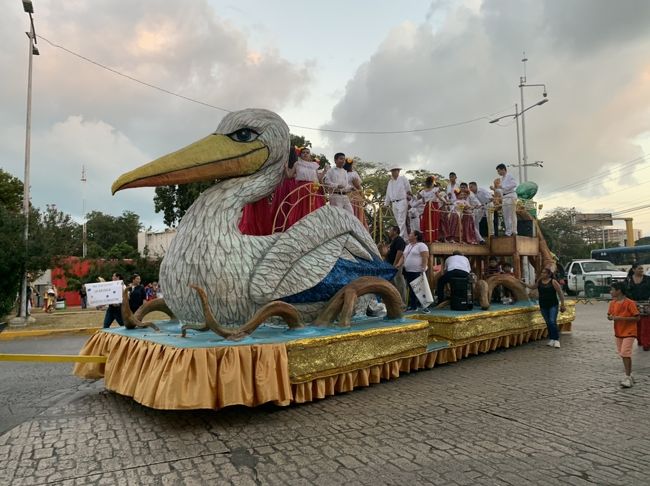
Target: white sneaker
(556,344)
(627,382)
(550,342)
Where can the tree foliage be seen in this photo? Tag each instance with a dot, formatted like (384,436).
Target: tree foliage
(12,257)
(11,192)
(112,236)
(567,239)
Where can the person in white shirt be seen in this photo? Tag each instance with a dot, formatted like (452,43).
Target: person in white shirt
(416,208)
(451,187)
(509,198)
(337,184)
(479,198)
(398,192)
(416,260)
(456,266)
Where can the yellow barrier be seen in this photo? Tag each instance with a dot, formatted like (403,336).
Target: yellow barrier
(53,358)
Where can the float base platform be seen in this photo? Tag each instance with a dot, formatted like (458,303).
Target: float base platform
(202,371)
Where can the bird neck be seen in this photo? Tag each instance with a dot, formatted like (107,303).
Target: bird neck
(224,201)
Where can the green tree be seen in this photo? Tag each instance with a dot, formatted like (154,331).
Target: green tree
(564,237)
(106,232)
(11,192)
(12,257)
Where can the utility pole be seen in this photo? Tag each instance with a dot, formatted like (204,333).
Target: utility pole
(23,314)
(83,211)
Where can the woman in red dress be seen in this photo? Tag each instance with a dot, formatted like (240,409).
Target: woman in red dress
(430,219)
(468,233)
(638,289)
(308,195)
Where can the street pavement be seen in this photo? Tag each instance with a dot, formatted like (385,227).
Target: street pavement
(527,415)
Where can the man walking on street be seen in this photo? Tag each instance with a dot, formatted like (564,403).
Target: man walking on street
(114,311)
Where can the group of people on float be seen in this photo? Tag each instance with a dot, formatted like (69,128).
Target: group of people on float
(304,189)
(455,214)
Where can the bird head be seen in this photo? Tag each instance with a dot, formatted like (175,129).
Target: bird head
(245,142)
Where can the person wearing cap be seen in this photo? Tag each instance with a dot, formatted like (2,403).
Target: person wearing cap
(508,198)
(398,192)
(337,184)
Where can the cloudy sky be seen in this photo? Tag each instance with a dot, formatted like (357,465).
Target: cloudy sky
(368,65)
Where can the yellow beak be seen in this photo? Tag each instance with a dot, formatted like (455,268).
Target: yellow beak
(213,157)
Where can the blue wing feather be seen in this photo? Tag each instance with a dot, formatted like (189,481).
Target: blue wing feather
(343,272)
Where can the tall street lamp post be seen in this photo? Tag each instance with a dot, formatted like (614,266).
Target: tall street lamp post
(516,115)
(522,85)
(23,315)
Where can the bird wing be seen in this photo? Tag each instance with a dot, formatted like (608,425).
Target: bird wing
(305,254)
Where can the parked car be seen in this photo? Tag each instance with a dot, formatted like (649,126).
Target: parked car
(593,277)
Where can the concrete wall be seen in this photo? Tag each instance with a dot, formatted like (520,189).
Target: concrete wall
(156,243)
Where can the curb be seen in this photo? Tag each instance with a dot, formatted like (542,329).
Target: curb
(10,335)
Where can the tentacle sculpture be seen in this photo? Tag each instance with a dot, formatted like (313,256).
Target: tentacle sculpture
(341,306)
(511,283)
(132,321)
(481,289)
(277,308)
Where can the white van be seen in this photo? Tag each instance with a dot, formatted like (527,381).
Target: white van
(593,277)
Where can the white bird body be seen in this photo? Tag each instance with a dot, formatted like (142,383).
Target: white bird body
(240,273)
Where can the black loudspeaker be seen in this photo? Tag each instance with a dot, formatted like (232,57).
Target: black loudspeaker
(461,294)
(524,227)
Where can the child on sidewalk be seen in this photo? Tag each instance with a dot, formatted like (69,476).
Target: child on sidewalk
(625,314)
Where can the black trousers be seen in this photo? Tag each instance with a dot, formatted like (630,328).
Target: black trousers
(445,279)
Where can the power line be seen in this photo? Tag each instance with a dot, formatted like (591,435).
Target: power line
(597,176)
(209,105)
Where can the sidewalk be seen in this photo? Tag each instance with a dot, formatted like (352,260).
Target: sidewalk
(73,320)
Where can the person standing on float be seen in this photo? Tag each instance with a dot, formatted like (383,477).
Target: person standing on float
(398,192)
(509,199)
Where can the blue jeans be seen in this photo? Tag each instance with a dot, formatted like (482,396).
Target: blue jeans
(550,316)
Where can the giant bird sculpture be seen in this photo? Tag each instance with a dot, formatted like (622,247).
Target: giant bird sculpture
(213,271)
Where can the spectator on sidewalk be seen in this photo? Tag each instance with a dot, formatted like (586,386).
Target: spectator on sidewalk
(137,294)
(114,311)
(625,314)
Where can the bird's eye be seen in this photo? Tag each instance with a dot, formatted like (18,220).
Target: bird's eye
(244,135)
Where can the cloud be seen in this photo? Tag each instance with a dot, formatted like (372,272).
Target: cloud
(468,65)
(85,114)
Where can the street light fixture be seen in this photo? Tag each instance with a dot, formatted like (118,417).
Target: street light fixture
(516,116)
(522,85)
(23,316)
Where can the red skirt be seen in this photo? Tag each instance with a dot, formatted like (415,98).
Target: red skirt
(308,198)
(284,199)
(453,227)
(430,222)
(469,229)
(358,201)
(643,332)
(256,218)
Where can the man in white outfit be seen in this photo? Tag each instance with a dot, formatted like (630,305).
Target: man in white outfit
(479,198)
(509,198)
(452,186)
(336,182)
(398,193)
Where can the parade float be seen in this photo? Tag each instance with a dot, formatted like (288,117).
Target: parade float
(272,318)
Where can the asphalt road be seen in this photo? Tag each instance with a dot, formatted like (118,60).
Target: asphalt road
(26,388)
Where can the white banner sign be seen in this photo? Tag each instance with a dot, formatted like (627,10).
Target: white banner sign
(103,293)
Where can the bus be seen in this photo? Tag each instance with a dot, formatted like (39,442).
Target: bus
(624,256)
